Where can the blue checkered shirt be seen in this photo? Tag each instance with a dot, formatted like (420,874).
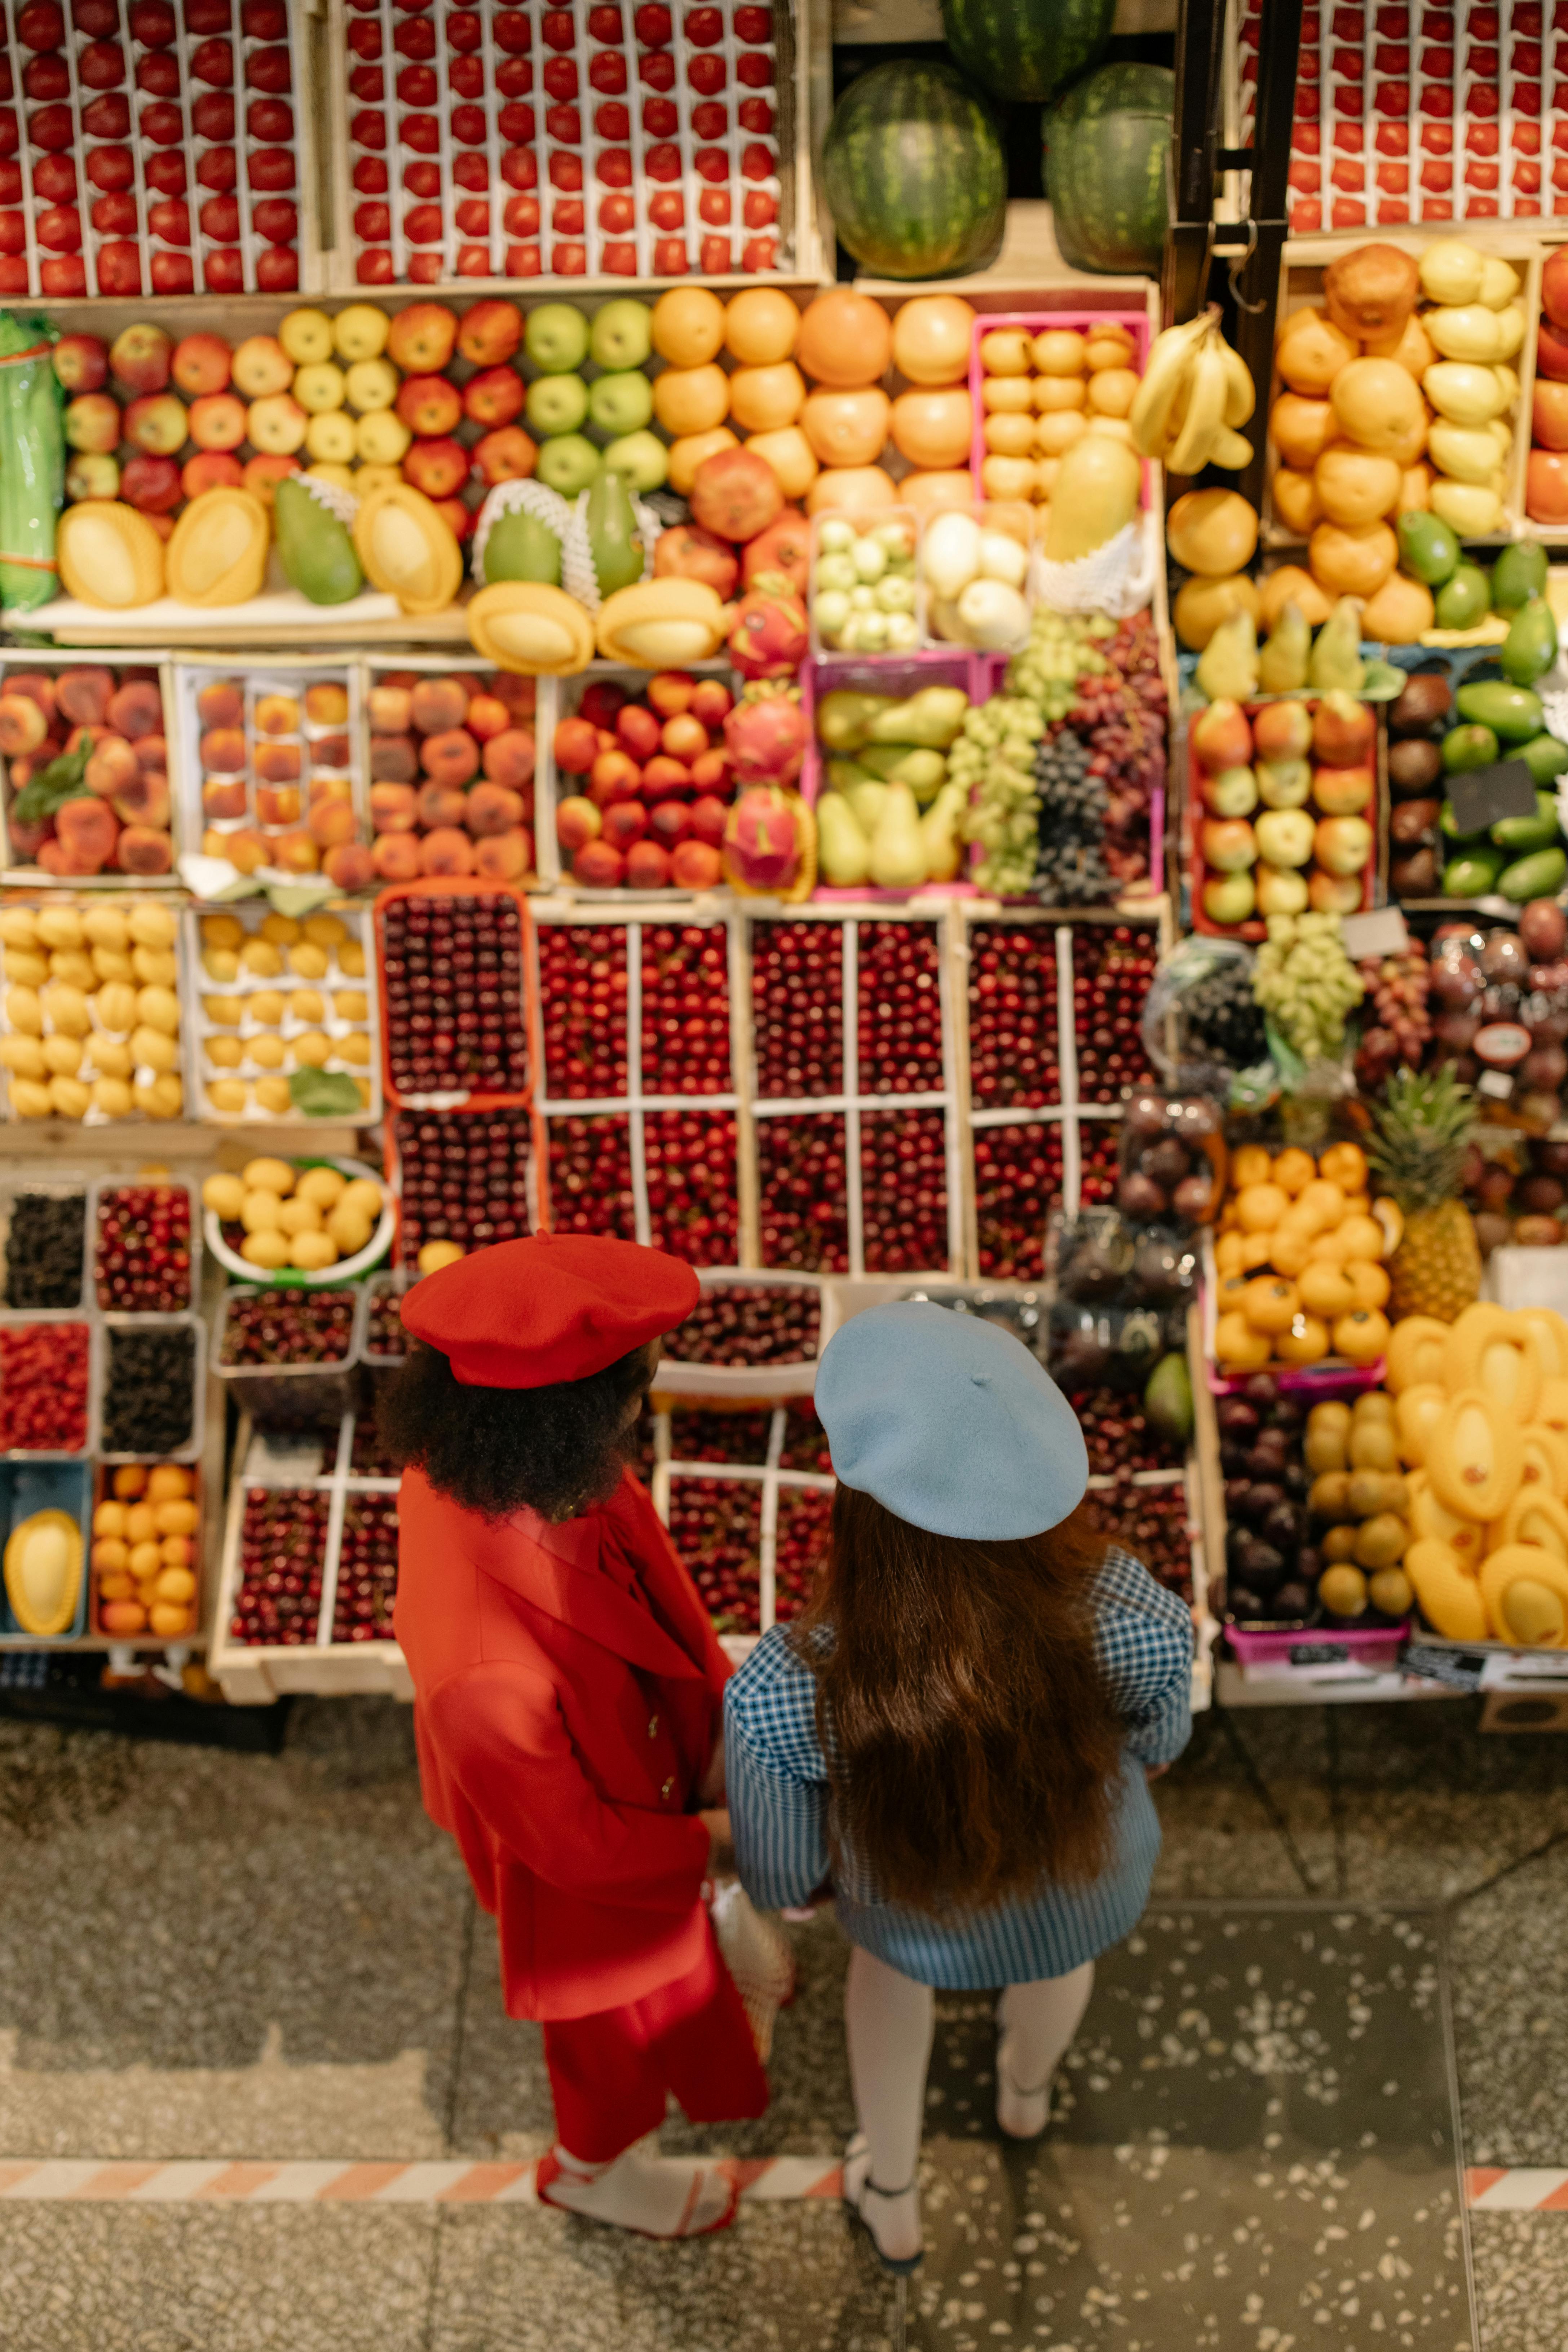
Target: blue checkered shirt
(779,1804)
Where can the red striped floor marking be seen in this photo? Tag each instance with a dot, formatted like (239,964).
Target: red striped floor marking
(87,2181)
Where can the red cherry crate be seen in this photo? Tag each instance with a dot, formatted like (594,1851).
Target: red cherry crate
(1373,876)
(464,886)
(416,1142)
(163,158)
(664,1158)
(586,146)
(761,1504)
(833,1141)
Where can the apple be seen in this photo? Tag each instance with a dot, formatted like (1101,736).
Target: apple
(261,366)
(201,364)
(320,387)
(640,458)
(152,484)
(361,332)
(1233,793)
(306,337)
(1229,844)
(369,385)
(216,421)
(1343,845)
(1551,353)
(276,425)
(621,335)
(1554,287)
(492,331)
(1221,737)
(155,420)
(428,405)
(622,403)
(508,454)
(1280,892)
(494,397)
(1546,487)
(557,339)
(422,339)
(709,815)
(1285,783)
(557,403)
(213,469)
(1343,730)
(440,468)
(1282,730)
(1230,898)
(140,356)
(696,866)
(92,474)
(1285,836)
(92,422)
(1549,415)
(1331,895)
(262,476)
(1343,791)
(568,463)
(81,362)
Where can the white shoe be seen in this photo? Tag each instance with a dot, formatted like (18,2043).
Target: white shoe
(654,2196)
(1021,2114)
(891,2217)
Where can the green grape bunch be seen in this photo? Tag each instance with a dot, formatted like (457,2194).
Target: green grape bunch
(1306,984)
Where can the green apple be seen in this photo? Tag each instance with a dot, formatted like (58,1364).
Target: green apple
(641,459)
(567,463)
(1284,783)
(1229,898)
(1285,836)
(1233,793)
(556,338)
(557,403)
(622,403)
(1280,893)
(1229,844)
(622,334)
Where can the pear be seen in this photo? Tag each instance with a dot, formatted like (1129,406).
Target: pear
(1227,666)
(843,852)
(867,797)
(940,833)
(844,717)
(898,860)
(1336,654)
(931,718)
(1282,664)
(903,763)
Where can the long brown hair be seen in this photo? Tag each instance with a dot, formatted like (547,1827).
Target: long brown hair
(971,1739)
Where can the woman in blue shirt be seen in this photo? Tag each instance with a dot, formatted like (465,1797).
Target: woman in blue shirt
(959,1732)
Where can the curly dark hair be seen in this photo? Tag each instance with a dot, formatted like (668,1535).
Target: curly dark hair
(495,1451)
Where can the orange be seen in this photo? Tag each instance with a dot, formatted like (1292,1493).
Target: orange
(688,326)
(1238,1346)
(1344,1164)
(845,339)
(1293,1171)
(846,429)
(1363,1335)
(691,399)
(932,492)
(1251,1165)
(1261,1206)
(765,398)
(1370,1283)
(933,428)
(1305,1342)
(931,338)
(760,326)
(1270,1304)
(858,489)
(687,453)
(789,453)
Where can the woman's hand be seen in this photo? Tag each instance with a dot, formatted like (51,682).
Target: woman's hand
(715,1819)
(710,1789)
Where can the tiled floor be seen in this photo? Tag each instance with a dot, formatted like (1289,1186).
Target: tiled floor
(204,1954)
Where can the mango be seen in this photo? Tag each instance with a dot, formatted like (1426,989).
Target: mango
(1530,647)
(1539,876)
(313,544)
(1512,712)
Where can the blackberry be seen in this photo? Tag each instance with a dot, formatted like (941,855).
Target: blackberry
(1222,1012)
(1071,869)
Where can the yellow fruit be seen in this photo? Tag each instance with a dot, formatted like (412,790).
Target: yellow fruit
(1251,1165)
(1360,1335)
(1526,1594)
(1305,1342)
(1270,1304)
(1417,1412)
(1237,1347)
(1449,1596)
(1370,1283)
(1416,1357)
(1261,1206)
(1293,1171)
(1326,1289)
(1475,1456)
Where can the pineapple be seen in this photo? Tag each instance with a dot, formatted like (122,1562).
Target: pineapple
(1424,1124)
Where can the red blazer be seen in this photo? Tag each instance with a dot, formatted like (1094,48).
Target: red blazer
(563,1735)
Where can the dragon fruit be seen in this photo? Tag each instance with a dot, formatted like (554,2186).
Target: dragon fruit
(762,839)
(766,739)
(770,634)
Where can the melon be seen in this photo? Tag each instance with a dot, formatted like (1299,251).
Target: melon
(1107,146)
(914,172)
(1028,49)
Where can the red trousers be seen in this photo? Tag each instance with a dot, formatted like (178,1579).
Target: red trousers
(611,2072)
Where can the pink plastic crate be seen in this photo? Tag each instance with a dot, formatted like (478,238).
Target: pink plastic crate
(1378,1646)
(880,674)
(1135,321)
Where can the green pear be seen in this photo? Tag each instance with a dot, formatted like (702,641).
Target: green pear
(844,717)
(1282,662)
(923,772)
(868,798)
(1227,666)
(898,860)
(517,546)
(932,717)
(843,853)
(940,832)
(1336,652)
(614,539)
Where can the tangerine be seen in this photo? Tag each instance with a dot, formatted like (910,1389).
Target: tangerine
(933,428)
(768,396)
(845,339)
(931,338)
(691,399)
(760,326)
(688,326)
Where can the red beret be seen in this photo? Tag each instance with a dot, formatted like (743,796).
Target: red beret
(557,1307)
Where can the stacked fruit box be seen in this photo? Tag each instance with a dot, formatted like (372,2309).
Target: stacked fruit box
(271,764)
(639,1097)
(585,143)
(745,1494)
(141,111)
(119,708)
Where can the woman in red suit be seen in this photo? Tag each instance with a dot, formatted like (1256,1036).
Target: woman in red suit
(569,1702)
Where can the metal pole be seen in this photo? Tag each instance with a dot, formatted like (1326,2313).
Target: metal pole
(1194,138)
(1256,281)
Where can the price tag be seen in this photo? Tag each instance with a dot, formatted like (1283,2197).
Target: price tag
(1496,1083)
(1484,796)
(1380,932)
(1319,1654)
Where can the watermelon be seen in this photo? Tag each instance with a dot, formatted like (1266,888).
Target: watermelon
(1107,146)
(1027,48)
(914,173)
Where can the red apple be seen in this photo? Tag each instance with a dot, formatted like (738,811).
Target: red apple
(92,422)
(428,405)
(140,357)
(1551,353)
(1549,416)
(201,364)
(81,362)
(157,423)
(506,456)
(696,866)
(422,339)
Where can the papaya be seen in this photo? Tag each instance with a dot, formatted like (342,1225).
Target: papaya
(530,628)
(311,523)
(1526,1593)
(408,549)
(43,1573)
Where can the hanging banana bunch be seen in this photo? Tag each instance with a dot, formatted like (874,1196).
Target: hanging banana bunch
(1195,396)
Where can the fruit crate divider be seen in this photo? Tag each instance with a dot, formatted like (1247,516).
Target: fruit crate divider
(457,886)
(443,160)
(392,150)
(768,1475)
(53,657)
(494,185)
(195,1028)
(181,678)
(90,236)
(587,145)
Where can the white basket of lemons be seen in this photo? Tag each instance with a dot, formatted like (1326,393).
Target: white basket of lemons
(298,1223)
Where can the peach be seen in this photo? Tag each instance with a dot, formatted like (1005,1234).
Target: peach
(277,714)
(136,708)
(142,849)
(490,808)
(393,808)
(394,759)
(711,773)
(349,864)
(111,767)
(326,705)
(201,364)
(87,735)
(214,469)
(576,821)
(87,830)
(328,788)
(221,750)
(247,850)
(145,802)
(330,751)
(598,866)
(440,804)
(223,796)
(671,692)
(330,822)
(446,851)
(37,684)
(428,405)
(664,775)
(437,704)
(152,751)
(277,804)
(23,724)
(508,757)
(684,737)
(648,866)
(389,710)
(451,757)
(278,763)
(504,857)
(614,777)
(485,716)
(92,422)
(296,852)
(695,866)
(712,702)
(626,821)
(263,473)
(396,856)
(222,705)
(217,421)
(576,746)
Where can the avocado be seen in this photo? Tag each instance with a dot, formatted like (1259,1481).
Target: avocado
(1544,756)
(1475,873)
(1519,574)
(1512,712)
(1428,547)
(1520,833)
(313,546)
(1530,646)
(1539,876)
(517,546)
(1464,598)
(1469,747)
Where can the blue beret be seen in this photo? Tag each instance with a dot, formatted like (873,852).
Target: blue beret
(951,1423)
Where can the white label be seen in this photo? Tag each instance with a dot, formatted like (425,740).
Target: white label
(1496,1083)
(1380,932)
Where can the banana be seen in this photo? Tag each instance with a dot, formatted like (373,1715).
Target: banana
(1169,360)
(1232,451)
(1241,399)
(1205,411)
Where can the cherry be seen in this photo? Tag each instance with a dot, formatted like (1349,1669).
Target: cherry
(463,1176)
(903,1190)
(1119,1439)
(43,1388)
(716,1526)
(1151,1521)
(685,1010)
(798,1009)
(368,1460)
(693,1211)
(288,1326)
(804,1206)
(590,1177)
(385,1335)
(582,993)
(1017,1185)
(143,1259)
(1111,971)
(707,1433)
(367,1570)
(746,1323)
(1012,1015)
(1099,1142)
(900,1042)
(282,1563)
(804,1514)
(452,975)
(805,1441)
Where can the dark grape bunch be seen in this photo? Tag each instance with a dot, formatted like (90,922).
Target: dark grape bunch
(1222,1015)
(1071,870)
